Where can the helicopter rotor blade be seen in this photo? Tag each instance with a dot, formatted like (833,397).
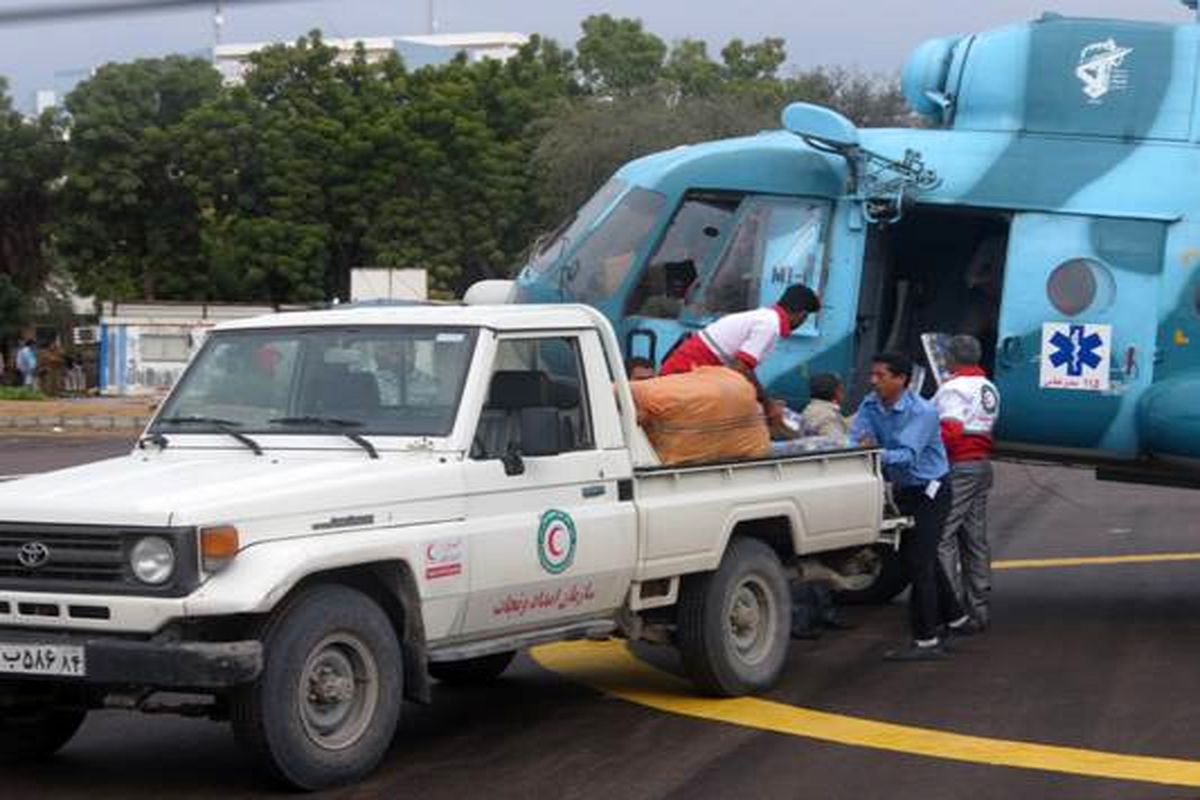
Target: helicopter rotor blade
(54,12)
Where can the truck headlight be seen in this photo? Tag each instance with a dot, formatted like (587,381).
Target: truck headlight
(152,560)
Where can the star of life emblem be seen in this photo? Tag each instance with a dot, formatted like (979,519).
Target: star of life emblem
(1100,68)
(1076,356)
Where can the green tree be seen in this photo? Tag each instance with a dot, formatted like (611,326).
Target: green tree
(690,72)
(31,161)
(754,62)
(617,57)
(129,228)
(315,167)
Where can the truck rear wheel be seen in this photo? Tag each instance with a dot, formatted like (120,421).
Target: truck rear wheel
(34,731)
(326,705)
(734,624)
(472,670)
(876,574)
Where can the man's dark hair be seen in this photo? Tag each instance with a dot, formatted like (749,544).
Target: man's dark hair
(965,350)
(637,361)
(798,297)
(823,386)
(897,363)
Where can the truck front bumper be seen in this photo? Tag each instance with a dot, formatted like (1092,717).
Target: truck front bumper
(162,664)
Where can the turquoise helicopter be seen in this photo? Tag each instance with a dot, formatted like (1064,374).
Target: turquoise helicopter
(1049,207)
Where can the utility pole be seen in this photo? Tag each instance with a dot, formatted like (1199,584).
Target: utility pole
(218,25)
(432,27)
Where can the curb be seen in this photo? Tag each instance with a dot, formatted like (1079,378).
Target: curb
(60,423)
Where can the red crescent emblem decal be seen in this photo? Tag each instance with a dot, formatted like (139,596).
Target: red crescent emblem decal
(552,541)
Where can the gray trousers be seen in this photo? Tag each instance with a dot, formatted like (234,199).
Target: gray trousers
(963,550)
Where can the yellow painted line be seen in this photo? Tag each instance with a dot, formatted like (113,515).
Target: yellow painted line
(1045,563)
(611,668)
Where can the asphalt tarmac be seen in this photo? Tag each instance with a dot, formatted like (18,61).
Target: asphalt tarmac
(1089,668)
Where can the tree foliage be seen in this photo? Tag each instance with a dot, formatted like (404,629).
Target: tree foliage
(31,160)
(618,57)
(174,186)
(129,228)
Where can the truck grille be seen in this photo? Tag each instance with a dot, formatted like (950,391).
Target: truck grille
(69,556)
(88,559)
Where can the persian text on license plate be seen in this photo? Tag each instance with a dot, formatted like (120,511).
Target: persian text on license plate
(42,659)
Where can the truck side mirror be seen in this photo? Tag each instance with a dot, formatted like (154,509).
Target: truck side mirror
(541,431)
(513,463)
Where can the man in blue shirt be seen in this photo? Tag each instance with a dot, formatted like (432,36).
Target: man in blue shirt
(907,429)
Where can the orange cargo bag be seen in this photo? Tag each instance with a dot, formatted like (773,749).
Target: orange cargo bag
(708,414)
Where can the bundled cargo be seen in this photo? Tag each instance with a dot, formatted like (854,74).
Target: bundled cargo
(708,414)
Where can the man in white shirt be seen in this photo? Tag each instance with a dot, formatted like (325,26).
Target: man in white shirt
(741,341)
(968,405)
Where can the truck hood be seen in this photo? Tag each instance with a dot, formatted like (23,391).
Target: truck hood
(195,488)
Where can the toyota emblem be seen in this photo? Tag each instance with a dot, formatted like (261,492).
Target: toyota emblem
(33,555)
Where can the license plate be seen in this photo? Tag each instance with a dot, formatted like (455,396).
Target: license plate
(60,660)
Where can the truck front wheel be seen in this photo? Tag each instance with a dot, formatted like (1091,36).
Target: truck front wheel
(734,624)
(31,728)
(326,705)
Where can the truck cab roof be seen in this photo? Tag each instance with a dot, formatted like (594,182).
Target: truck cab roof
(499,318)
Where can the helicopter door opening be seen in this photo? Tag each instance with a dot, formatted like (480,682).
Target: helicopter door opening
(935,271)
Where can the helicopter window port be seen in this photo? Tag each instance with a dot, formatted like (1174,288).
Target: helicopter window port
(548,249)
(1076,285)
(598,268)
(691,244)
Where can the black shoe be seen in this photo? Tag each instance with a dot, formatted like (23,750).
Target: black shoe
(969,628)
(915,652)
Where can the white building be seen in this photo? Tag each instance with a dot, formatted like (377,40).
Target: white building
(232,60)
(145,346)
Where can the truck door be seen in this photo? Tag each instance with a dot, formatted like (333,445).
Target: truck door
(1077,328)
(555,542)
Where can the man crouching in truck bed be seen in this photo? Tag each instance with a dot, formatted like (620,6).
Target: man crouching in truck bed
(741,341)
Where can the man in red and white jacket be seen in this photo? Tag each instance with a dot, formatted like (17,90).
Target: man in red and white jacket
(968,406)
(741,341)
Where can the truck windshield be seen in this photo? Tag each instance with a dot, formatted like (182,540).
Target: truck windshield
(401,381)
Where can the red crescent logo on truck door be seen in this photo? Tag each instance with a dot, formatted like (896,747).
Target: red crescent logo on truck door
(556,541)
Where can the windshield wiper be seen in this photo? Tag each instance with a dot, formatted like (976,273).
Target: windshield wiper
(331,422)
(363,443)
(223,425)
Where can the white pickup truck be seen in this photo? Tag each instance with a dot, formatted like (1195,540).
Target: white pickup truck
(332,506)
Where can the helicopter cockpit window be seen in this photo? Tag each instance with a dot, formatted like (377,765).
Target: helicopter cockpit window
(550,248)
(689,246)
(599,267)
(1079,284)
(777,242)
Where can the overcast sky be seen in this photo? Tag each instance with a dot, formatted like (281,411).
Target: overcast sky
(874,35)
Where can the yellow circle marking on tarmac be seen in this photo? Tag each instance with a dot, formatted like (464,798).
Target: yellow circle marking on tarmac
(611,668)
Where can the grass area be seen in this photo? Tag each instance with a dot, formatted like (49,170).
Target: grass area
(20,393)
